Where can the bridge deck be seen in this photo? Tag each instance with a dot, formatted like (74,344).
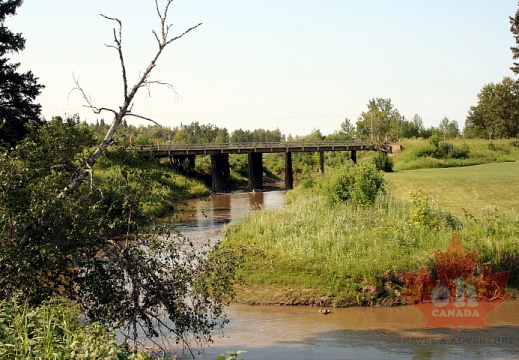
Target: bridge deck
(163,150)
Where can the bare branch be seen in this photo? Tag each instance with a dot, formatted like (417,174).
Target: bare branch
(184,33)
(144,118)
(113,19)
(100,110)
(163,16)
(87,99)
(158,82)
(118,39)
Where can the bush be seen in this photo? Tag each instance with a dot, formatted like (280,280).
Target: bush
(383,162)
(424,215)
(427,151)
(435,140)
(360,184)
(460,152)
(443,150)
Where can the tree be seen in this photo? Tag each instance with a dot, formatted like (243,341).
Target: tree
(418,124)
(496,114)
(66,232)
(444,126)
(17,90)
(381,122)
(195,133)
(514,29)
(453,130)
(448,129)
(347,130)
(240,135)
(408,130)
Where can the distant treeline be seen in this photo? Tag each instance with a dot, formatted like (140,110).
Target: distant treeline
(493,117)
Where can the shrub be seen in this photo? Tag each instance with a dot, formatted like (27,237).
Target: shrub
(460,152)
(435,140)
(360,184)
(383,162)
(426,151)
(444,150)
(424,214)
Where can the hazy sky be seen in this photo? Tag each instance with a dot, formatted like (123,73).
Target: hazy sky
(296,65)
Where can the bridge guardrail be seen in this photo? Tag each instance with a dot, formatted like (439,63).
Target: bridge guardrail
(248,145)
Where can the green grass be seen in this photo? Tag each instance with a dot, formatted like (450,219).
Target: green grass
(160,189)
(479,152)
(320,253)
(464,189)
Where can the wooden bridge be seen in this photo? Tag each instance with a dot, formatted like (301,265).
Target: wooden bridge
(221,180)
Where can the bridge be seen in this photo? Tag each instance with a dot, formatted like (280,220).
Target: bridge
(221,179)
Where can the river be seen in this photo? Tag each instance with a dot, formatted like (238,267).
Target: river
(281,332)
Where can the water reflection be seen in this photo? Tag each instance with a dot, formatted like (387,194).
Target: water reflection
(215,211)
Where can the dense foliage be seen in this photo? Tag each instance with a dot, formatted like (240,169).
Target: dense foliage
(17,90)
(514,29)
(381,122)
(359,185)
(97,246)
(496,114)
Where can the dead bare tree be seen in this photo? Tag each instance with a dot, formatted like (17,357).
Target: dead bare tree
(163,39)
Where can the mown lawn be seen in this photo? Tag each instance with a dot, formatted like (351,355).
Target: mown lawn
(471,188)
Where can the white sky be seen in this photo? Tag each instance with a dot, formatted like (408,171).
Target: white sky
(296,65)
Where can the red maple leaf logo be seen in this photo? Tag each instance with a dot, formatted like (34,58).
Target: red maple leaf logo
(457,298)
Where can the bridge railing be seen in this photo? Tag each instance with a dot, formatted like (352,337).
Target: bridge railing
(248,145)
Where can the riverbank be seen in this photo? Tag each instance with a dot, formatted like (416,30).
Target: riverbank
(159,189)
(316,252)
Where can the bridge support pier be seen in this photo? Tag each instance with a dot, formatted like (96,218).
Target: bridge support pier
(354,156)
(221,173)
(321,161)
(255,171)
(289,175)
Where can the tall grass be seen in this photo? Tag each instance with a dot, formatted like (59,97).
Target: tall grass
(318,252)
(53,331)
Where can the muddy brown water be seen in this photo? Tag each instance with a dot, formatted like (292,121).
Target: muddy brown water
(282,332)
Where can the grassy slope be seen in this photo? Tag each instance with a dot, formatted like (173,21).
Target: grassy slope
(313,252)
(164,191)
